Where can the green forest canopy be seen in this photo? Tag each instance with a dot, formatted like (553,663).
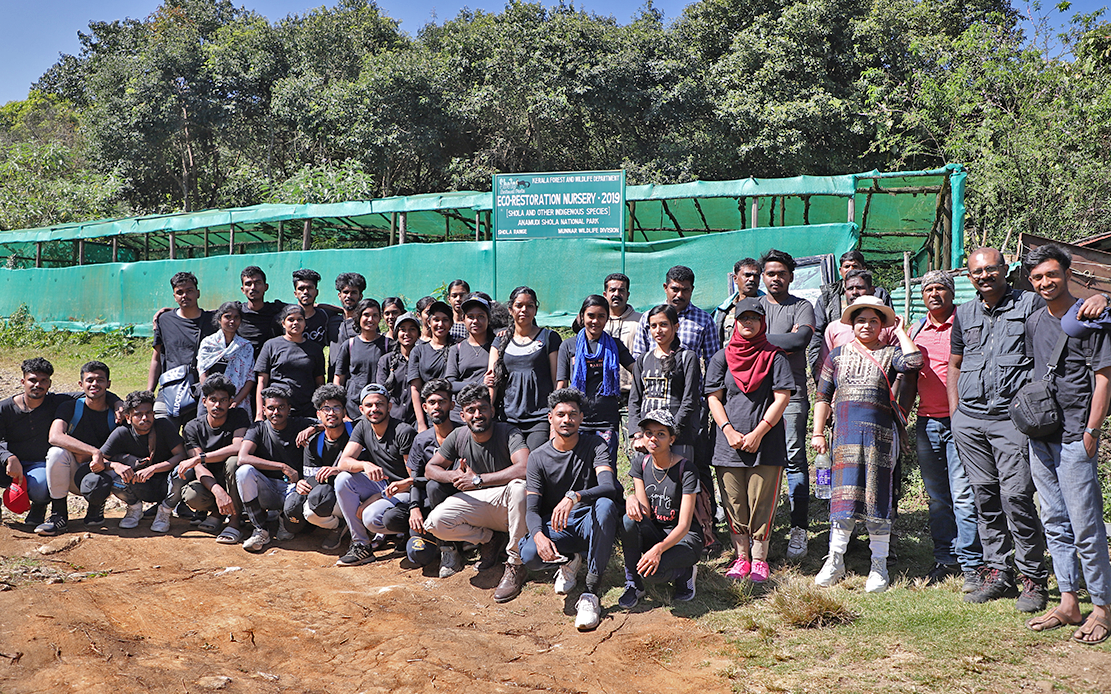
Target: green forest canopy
(203,104)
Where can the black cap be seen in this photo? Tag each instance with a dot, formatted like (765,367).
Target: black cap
(748,304)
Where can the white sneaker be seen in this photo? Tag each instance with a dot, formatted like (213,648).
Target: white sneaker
(589,612)
(132,517)
(567,576)
(258,539)
(878,578)
(832,571)
(796,544)
(161,522)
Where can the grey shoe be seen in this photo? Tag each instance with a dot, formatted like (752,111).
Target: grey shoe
(973,579)
(797,544)
(588,612)
(357,555)
(451,562)
(257,541)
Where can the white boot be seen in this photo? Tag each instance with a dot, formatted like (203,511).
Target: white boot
(832,571)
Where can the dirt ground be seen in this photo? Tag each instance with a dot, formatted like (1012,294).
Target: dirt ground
(178,613)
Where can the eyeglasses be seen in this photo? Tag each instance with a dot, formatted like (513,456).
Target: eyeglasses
(988,270)
(332,409)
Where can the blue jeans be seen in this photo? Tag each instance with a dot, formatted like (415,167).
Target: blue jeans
(591,528)
(37,489)
(1072,515)
(798,469)
(952,503)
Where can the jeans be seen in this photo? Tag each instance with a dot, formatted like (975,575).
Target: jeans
(952,503)
(591,528)
(798,469)
(270,492)
(1072,514)
(34,474)
(637,536)
(352,489)
(997,458)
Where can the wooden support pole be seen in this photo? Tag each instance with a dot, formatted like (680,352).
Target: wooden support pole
(906,287)
(755,212)
(402,227)
(306,236)
(146,246)
(206,242)
(280,236)
(477,225)
(393,227)
(173,246)
(115,249)
(806,209)
(447,228)
(231,240)
(81,251)
(38,254)
(852,209)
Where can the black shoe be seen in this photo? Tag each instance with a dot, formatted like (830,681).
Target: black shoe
(997,584)
(973,579)
(36,516)
(940,572)
(1033,597)
(631,596)
(492,553)
(95,514)
(357,555)
(55,526)
(182,510)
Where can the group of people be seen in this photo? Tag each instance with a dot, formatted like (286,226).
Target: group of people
(463,425)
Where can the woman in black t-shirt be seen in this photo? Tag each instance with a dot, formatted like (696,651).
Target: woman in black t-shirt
(468,360)
(293,361)
(591,363)
(393,368)
(661,540)
(429,359)
(358,357)
(392,308)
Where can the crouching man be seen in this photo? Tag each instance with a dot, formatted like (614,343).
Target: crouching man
(485,462)
(571,505)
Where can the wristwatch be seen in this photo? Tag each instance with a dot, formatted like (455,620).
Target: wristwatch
(477,480)
(1094,432)
(573,496)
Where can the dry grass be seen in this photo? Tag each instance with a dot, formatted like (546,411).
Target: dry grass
(802,604)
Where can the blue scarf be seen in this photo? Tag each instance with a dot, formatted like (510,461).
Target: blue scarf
(607,349)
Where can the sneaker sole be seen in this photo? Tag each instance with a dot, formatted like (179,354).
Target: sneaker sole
(355,563)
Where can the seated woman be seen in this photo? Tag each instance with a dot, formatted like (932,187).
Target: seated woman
(748,386)
(855,387)
(661,540)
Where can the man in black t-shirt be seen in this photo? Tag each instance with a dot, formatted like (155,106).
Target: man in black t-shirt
(259,316)
(270,463)
(343,324)
(80,427)
(485,461)
(572,505)
(213,442)
(24,436)
(306,285)
(135,465)
(177,337)
(315,501)
(425,494)
(375,456)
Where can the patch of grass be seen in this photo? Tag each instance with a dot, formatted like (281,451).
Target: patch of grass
(802,604)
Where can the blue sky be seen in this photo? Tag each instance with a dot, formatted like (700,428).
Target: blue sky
(34,33)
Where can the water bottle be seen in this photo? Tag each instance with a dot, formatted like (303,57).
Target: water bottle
(823,473)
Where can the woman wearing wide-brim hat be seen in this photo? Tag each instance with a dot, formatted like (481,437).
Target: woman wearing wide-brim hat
(855,388)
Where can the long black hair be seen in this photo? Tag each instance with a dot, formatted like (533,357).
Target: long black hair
(667,362)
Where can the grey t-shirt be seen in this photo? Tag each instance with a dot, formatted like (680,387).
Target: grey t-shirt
(491,456)
(781,318)
(1074,379)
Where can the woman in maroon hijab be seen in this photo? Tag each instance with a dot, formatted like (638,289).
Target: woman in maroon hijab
(748,385)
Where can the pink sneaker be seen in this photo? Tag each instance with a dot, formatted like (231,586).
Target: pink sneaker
(739,569)
(760,571)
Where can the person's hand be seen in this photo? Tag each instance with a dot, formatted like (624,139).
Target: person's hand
(125,472)
(649,561)
(15,470)
(416,520)
(144,474)
(98,459)
(399,487)
(639,443)
(488,379)
(158,314)
(1091,445)
(223,501)
(303,487)
(898,325)
(560,514)
(733,437)
(1092,308)
(304,435)
(290,474)
(326,472)
(751,442)
(374,472)
(95,466)
(633,508)
(545,548)
(818,443)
